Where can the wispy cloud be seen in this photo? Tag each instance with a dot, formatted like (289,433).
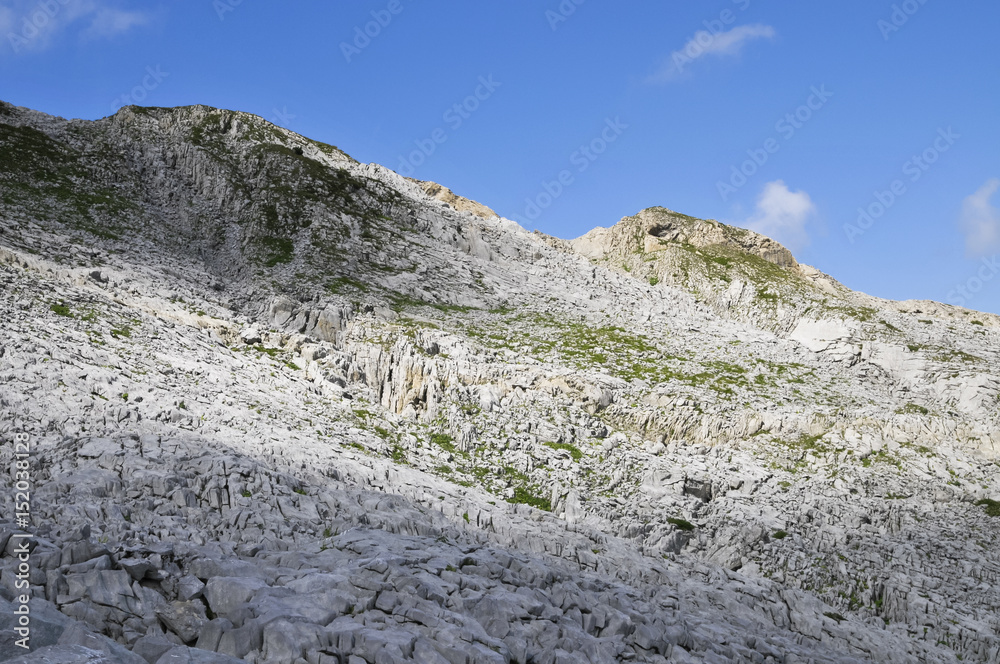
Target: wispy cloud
(782,214)
(731,42)
(704,43)
(980,221)
(35,25)
(111,22)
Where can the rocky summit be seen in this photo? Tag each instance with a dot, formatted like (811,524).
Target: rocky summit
(274,405)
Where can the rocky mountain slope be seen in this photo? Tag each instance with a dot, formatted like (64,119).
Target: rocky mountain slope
(287,407)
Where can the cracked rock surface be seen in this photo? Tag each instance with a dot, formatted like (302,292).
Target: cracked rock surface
(285,407)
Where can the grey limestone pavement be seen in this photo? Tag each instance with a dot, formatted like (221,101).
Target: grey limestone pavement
(286,407)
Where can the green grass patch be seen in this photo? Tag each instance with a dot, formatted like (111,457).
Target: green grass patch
(515,474)
(682,524)
(955,355)
(882,456)
(811,442)
(277,250)
(445,441)
(524,496)
(573,451)
(342,285)
(863,314)
(61,310)
(992,506)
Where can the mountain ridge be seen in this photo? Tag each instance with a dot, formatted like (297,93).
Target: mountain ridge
(759,244)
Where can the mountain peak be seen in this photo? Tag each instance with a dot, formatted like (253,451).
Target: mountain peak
(657,228)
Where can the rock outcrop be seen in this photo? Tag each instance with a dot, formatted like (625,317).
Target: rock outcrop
(446,195)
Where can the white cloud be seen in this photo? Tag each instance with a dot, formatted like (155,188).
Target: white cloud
(720,44)
(980,221)
(33,25)
(782,215)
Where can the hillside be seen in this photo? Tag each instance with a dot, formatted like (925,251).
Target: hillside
(290,407)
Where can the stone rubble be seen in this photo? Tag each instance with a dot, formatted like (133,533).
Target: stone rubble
(286,407)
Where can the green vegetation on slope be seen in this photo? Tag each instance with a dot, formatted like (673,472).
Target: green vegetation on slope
(48,178)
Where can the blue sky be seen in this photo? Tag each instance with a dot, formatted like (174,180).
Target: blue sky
(787,117)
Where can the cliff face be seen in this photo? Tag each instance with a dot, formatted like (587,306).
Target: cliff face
(286,405)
